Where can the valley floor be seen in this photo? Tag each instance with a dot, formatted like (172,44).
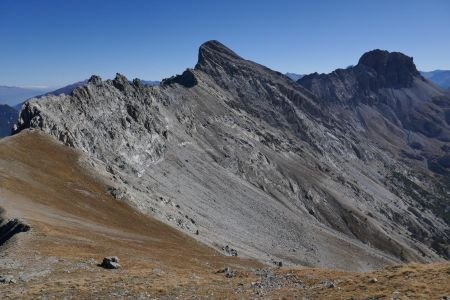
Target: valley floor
(75,222)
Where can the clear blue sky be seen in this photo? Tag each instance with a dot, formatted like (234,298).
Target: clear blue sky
(55,42)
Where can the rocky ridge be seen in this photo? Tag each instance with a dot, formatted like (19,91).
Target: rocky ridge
(237,154)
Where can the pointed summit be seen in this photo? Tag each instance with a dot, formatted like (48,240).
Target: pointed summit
(213,53)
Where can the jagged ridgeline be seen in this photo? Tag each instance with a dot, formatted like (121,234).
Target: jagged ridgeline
(346,170)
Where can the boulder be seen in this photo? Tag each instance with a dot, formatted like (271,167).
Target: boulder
(229,273)
(110,262)
(7,279)
(230,251)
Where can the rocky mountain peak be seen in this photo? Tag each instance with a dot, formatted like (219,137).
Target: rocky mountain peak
(240,146)
(393,69)
(120,82)
(376,70)
(95,79)
(213,53)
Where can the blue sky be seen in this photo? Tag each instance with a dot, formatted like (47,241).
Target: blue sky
(55,42)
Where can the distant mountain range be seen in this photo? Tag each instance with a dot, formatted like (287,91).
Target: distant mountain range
(439,77)
(8,116)
(294,76)
(150,82)
(68,88)
(12,95)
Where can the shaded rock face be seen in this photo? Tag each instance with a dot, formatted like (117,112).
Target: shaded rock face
(236,154)
(376,70)
(8,117)
(386,88)
(392,70)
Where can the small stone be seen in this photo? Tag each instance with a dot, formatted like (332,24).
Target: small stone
(230,251)
(373,280)
(7,279)
(110,262)
(277,263)
(329,284)
(229,273)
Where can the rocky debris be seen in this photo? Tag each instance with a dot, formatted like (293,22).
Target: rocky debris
(229,273)
(7,279)
(10,228)
(117,193)
(110,262)
(269,280)
(230,251)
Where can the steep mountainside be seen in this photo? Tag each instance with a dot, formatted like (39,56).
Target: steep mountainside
(400,108)
(8,116)
(236,154)
(439,77)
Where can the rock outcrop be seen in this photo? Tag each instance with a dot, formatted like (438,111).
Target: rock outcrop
(10,228)
(110,262)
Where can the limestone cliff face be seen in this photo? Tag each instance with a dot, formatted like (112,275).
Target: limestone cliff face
(237,154)
(112,120)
